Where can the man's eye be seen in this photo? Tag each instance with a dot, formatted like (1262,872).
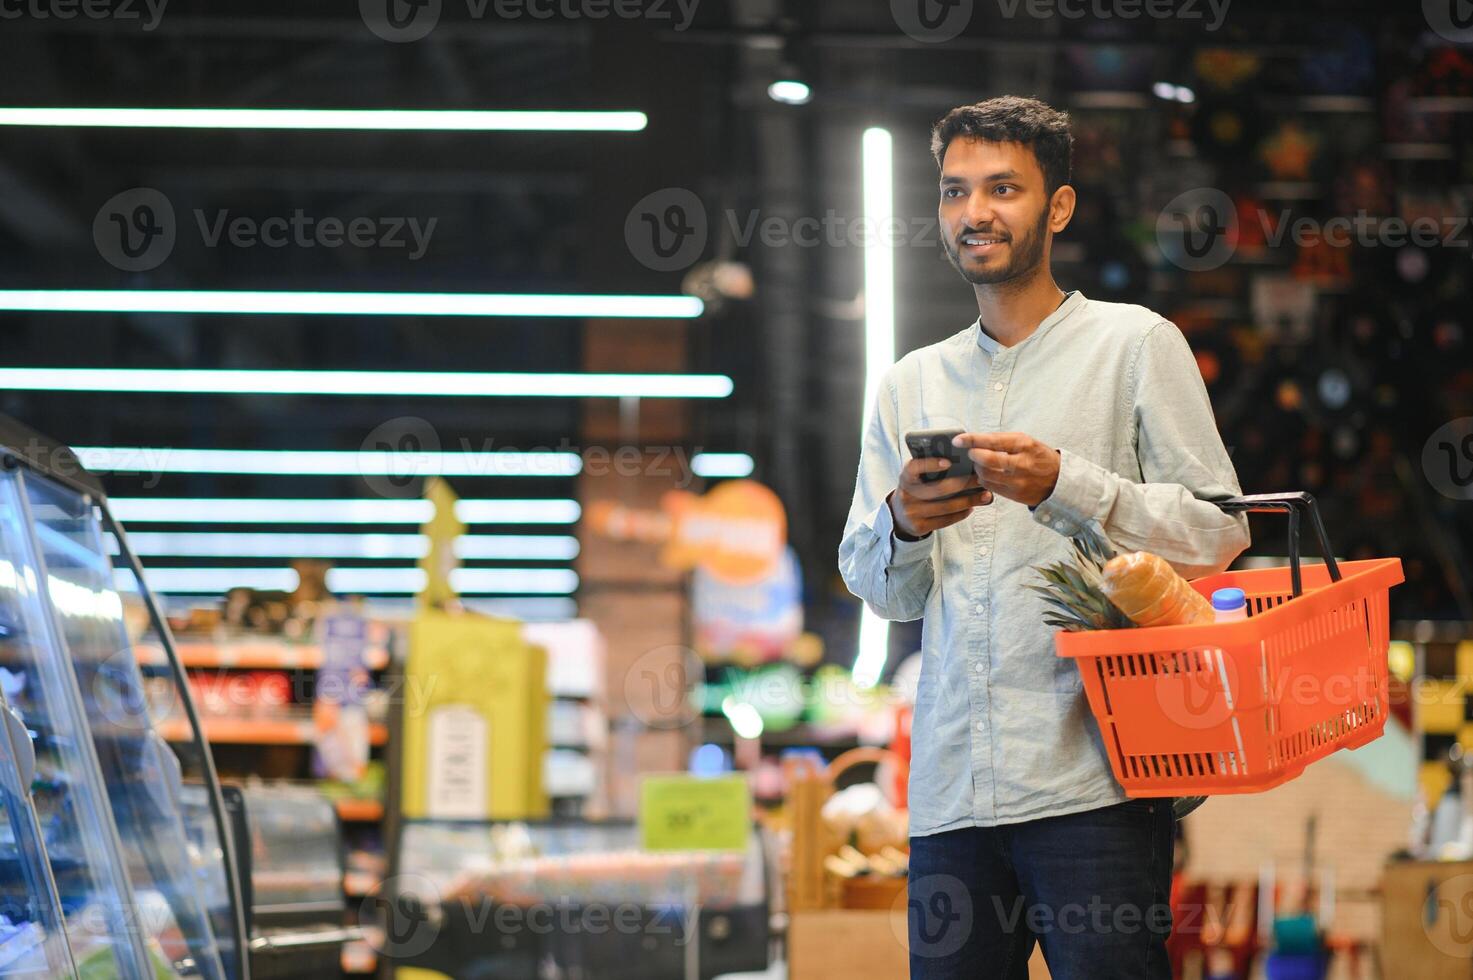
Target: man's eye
(951,192)
(1005,187)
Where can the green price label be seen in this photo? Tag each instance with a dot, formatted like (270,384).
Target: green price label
(690,813)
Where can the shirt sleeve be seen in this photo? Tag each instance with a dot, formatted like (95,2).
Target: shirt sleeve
(892,576)
(1183,465)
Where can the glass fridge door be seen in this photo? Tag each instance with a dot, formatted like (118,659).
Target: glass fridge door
(69,801)
(32,935)
(139,769)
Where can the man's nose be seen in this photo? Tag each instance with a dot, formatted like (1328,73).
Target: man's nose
(979,213)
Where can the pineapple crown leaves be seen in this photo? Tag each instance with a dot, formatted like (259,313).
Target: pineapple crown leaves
(1071,588)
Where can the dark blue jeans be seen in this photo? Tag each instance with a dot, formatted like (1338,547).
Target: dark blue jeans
(1093,888)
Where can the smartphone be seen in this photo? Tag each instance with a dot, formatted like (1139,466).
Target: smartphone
(936,444)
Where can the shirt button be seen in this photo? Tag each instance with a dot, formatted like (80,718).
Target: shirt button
(998,386)
(978,666)
(982,727)
(983,549)
(981,608)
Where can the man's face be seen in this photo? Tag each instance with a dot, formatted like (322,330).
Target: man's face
(994,210)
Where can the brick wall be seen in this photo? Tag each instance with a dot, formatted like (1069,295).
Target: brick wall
(637,603)
(1359,826)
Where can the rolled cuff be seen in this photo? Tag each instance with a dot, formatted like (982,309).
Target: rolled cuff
(898,552)
(1078,497)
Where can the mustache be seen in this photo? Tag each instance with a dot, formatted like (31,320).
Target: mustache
(967,233)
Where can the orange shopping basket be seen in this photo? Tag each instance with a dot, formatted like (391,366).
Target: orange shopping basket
(1241,707)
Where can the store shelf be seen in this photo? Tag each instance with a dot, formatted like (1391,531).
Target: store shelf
(264,654)
(360,811)
(718,730)
(257,731)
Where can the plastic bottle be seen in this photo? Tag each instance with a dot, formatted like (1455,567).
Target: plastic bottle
(1229,605)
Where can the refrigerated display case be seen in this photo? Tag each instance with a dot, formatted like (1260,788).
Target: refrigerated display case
(289,849)
(96,877)
(573,898)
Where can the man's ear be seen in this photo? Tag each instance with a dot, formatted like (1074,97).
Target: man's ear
(1061,209)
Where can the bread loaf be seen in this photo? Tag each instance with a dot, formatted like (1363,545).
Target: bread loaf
(1151,593)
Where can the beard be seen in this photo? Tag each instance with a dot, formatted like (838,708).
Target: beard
(1024,256)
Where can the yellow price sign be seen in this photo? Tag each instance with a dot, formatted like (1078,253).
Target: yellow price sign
(694,813)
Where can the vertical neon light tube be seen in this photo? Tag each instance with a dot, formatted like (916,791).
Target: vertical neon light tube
(879,346)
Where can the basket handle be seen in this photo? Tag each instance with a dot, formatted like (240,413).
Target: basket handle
(1290,504)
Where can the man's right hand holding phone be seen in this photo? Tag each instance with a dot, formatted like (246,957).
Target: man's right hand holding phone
(918,506)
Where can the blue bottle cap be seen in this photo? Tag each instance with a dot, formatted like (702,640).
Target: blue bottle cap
(1227,600)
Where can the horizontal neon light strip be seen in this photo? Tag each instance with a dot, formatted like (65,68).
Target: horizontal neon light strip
(328,463)
(503,547)
(713,465)
(453,120)
(207,510)
(283,302)
(366,383)
(400,581)
(518,511)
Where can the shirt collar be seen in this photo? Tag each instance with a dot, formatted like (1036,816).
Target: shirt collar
(1072,301)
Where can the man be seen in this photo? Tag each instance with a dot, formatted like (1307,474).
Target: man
(1077,414)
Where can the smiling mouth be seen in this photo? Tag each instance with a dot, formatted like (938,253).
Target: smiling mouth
(982,244)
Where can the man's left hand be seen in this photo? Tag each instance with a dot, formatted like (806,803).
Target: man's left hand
(1012,464)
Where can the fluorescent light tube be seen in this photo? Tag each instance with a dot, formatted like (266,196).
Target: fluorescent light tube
(285,302)
(253,510)
(879,348)
(287,462)
(714,465)
(365,383)
(398,120)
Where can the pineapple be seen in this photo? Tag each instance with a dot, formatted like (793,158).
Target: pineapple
(1077,602)
(1075,599)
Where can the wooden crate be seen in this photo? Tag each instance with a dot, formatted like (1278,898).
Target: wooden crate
(841,944)
(1427,920)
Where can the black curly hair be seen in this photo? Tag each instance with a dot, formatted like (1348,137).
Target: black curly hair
(1013,119)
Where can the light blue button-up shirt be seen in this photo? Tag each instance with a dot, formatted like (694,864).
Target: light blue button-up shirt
(1002,732)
